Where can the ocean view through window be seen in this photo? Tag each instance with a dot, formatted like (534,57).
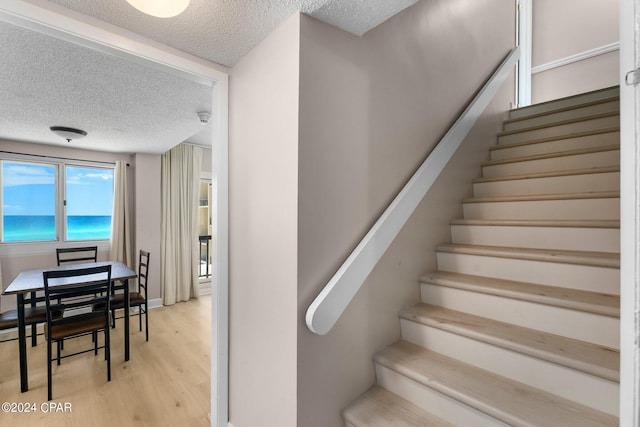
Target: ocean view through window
(35,207)
(89,203)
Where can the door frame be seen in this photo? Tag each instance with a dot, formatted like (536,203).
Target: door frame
(629,217)
(62,23)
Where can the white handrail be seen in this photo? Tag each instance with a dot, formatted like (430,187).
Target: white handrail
(334,298)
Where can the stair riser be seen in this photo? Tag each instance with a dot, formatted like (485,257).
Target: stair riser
(583,277)
(565,103)
(594,328)
(554,164)
(584,183)
(562,238)
(555,146)
(558,116)
(573,209)
(569,383)
(455,412)
(611,123)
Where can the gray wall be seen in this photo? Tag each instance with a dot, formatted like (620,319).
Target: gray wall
(325,128)
(371,109)
(568,27)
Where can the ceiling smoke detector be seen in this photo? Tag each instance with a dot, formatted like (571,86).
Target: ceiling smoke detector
(204,117)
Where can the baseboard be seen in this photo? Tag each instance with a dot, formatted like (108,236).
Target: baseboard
(154,303)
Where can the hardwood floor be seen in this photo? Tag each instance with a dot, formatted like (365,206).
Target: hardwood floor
(166,382)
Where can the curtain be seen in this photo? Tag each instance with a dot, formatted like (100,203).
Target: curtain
(120,249)
(179,255)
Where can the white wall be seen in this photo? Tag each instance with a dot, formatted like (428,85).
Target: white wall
(569,27)
(371,109)
(263,169)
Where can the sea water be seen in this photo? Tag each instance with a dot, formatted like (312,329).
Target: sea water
(20,228)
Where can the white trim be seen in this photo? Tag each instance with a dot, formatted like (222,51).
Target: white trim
(66,24)
(220,294)
(524,13)
(629,218)
(329,305)
(56,21)
(581,56)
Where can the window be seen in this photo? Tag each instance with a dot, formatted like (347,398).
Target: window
(28,201)
(35,207)
(89,203)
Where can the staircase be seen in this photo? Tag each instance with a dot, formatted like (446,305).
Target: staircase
(519,325)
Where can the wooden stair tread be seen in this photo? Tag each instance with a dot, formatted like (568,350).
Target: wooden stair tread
(513,403)
(604,94)
(589,150)
(586,223)
(600,259)
(569,135)
(579,355)
(575,299)
(571,172)
(552,112)
(506,146)
(541,197)
(379,407)
(560,123)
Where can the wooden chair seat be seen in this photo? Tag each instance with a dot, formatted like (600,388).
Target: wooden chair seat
(9,319)
(135,299)
(78,327)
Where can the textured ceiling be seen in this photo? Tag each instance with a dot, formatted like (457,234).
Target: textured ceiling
(123,106)
(126,107)
(223,31)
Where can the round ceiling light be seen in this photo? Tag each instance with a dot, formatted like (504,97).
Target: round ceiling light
(160,8)
(67,133)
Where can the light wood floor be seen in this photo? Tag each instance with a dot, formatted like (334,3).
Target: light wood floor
(165,383)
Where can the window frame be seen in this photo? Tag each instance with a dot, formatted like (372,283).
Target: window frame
(60,209)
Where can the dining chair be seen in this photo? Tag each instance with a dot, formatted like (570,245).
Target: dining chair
(32,316)
(76,255)
(77,292)
(137,298)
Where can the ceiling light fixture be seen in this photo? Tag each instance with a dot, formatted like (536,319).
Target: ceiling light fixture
(67,133)
(160,8)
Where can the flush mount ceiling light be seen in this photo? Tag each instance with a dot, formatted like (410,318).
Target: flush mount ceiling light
(67,133)
(160,8)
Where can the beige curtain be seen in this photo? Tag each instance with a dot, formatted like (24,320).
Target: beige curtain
(120,249)
(179,243)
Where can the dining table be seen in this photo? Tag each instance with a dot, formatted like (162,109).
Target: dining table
(28,282)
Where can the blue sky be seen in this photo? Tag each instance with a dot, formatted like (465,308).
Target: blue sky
(29,189)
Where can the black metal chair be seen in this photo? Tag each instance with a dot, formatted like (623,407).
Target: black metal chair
(32,316)
(76,255)
(137,298)
(77,292)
